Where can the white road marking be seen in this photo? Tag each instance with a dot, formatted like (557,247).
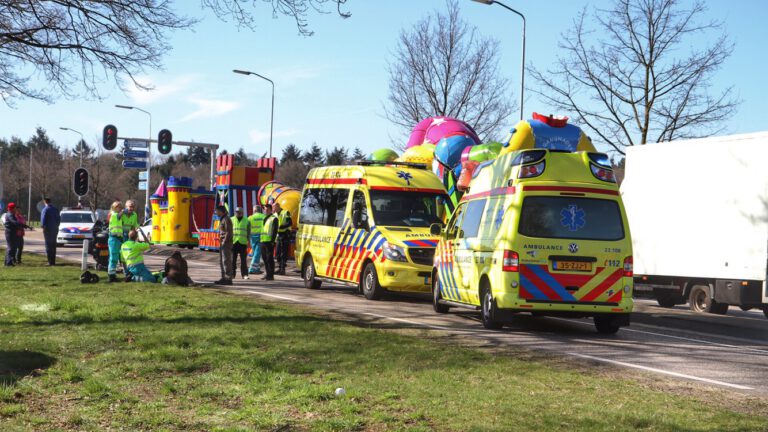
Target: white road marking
(624,329)
(661,371)
(599,359)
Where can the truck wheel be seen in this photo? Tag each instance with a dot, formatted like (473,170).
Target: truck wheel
(437,296)
(308,274)
(370,283)
(700,300)
(489,310)
(606,324)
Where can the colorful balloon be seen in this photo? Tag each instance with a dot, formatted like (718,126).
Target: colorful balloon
(383,155)
(449,149)
(418,132)
(418,154)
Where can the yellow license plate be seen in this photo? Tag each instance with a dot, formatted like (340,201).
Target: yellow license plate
(104,253)
(579,266)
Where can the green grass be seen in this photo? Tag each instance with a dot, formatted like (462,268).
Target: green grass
(151,357)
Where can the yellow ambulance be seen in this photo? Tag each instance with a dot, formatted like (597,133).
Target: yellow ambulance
(368,225)
(542,231)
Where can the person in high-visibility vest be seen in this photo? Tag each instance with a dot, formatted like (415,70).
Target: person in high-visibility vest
(268,235)
(133,254)
(241,235)
(283,236)
(115,239)
(130,218)
(257,224)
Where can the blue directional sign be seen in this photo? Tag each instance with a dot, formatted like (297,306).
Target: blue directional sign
(136,144)
(135,154)
(138,164)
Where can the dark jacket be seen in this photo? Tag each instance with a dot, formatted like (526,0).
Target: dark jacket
(225,232)
(50,219)
(176,270)
(11,224)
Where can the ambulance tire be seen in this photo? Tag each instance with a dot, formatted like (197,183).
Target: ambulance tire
(606,324)
(369,281)
(308,274)
(436,296)
(488,308)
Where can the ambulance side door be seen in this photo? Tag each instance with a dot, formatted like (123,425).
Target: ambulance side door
(447,271)
(468,249)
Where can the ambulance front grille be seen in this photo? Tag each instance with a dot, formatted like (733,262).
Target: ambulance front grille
(423,256)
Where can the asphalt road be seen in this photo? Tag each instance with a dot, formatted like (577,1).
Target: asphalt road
(727,352)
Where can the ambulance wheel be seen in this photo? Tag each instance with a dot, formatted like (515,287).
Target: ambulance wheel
(370,283)
(308,274)
(606,324)
(489,310)
(437,296)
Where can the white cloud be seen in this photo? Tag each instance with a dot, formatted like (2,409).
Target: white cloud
(207,108)
(159,90)
(258,137)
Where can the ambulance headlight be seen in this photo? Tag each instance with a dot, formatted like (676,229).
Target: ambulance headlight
(394,253)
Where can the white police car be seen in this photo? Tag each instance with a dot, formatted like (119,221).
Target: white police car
(76,226)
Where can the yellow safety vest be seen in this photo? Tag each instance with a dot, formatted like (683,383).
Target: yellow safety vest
(284,220)
(115,225)
(266,233)
(257,223)
(130,222)
(132,252)
(240,230)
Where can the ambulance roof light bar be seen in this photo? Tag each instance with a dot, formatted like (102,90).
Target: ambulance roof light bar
(405,164)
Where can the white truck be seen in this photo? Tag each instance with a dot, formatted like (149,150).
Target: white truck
(698,211)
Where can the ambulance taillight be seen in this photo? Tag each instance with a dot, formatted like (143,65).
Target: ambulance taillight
(629,267)
(603,174)
(511,261)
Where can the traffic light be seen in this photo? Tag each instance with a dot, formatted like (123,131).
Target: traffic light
(110,137)
(164,141)
(81,181)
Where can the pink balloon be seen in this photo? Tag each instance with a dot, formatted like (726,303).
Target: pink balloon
(442,127)
(418,132)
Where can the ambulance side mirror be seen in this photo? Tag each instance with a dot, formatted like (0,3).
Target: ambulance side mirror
(435,229)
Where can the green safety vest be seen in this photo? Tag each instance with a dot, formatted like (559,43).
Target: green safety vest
(130,222)
(240,230)
(257,223)
(284,220)
(266,232)
(131,252)
(115,225)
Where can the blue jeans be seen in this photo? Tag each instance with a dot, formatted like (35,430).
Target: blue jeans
(256,257)
(141,273)
(114,244)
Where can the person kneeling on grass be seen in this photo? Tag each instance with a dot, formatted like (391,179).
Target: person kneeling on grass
(132,253)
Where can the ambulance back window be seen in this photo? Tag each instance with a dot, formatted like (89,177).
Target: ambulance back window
(571,218)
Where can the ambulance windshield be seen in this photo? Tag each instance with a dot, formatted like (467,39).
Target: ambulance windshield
(571,218)
(404,208)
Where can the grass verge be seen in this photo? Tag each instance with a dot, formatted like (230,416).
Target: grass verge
(150,357)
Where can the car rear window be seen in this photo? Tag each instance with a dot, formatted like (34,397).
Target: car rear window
(571,218)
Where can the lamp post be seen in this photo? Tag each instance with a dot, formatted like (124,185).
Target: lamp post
(149,155)
(522,65)
(272,114)
(80,144)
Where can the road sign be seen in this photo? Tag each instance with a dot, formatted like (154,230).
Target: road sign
(142,185)
(138,164)
(142,175)
(136,144)
(135,154)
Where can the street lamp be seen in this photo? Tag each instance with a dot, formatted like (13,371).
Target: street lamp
(522,65)
(80,144)
(149,152)
(272,114)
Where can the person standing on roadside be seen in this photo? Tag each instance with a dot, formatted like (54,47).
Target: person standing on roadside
(11,225)
(225,246)
(241,235)
(130,218)
(20,235)
(50,221)
(115,239)
(257,224)
(283,244)
(268,234)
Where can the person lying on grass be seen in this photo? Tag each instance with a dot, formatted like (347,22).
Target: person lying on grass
(132,253)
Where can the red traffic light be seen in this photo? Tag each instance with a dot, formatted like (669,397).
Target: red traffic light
(109,138)
(81,182)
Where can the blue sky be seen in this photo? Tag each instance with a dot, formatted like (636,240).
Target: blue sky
(330,87)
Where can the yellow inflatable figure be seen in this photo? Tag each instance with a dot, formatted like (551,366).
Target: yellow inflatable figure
(422,154)
(546,132)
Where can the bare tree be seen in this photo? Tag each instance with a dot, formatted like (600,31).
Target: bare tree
(86,42)
(442,66)
(629,81)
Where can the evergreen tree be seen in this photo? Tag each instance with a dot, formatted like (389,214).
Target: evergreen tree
(88,151)
(290,153)
(358,155)
(337,156)
(313,156)
(197,156)
(241,157)
(40,141)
